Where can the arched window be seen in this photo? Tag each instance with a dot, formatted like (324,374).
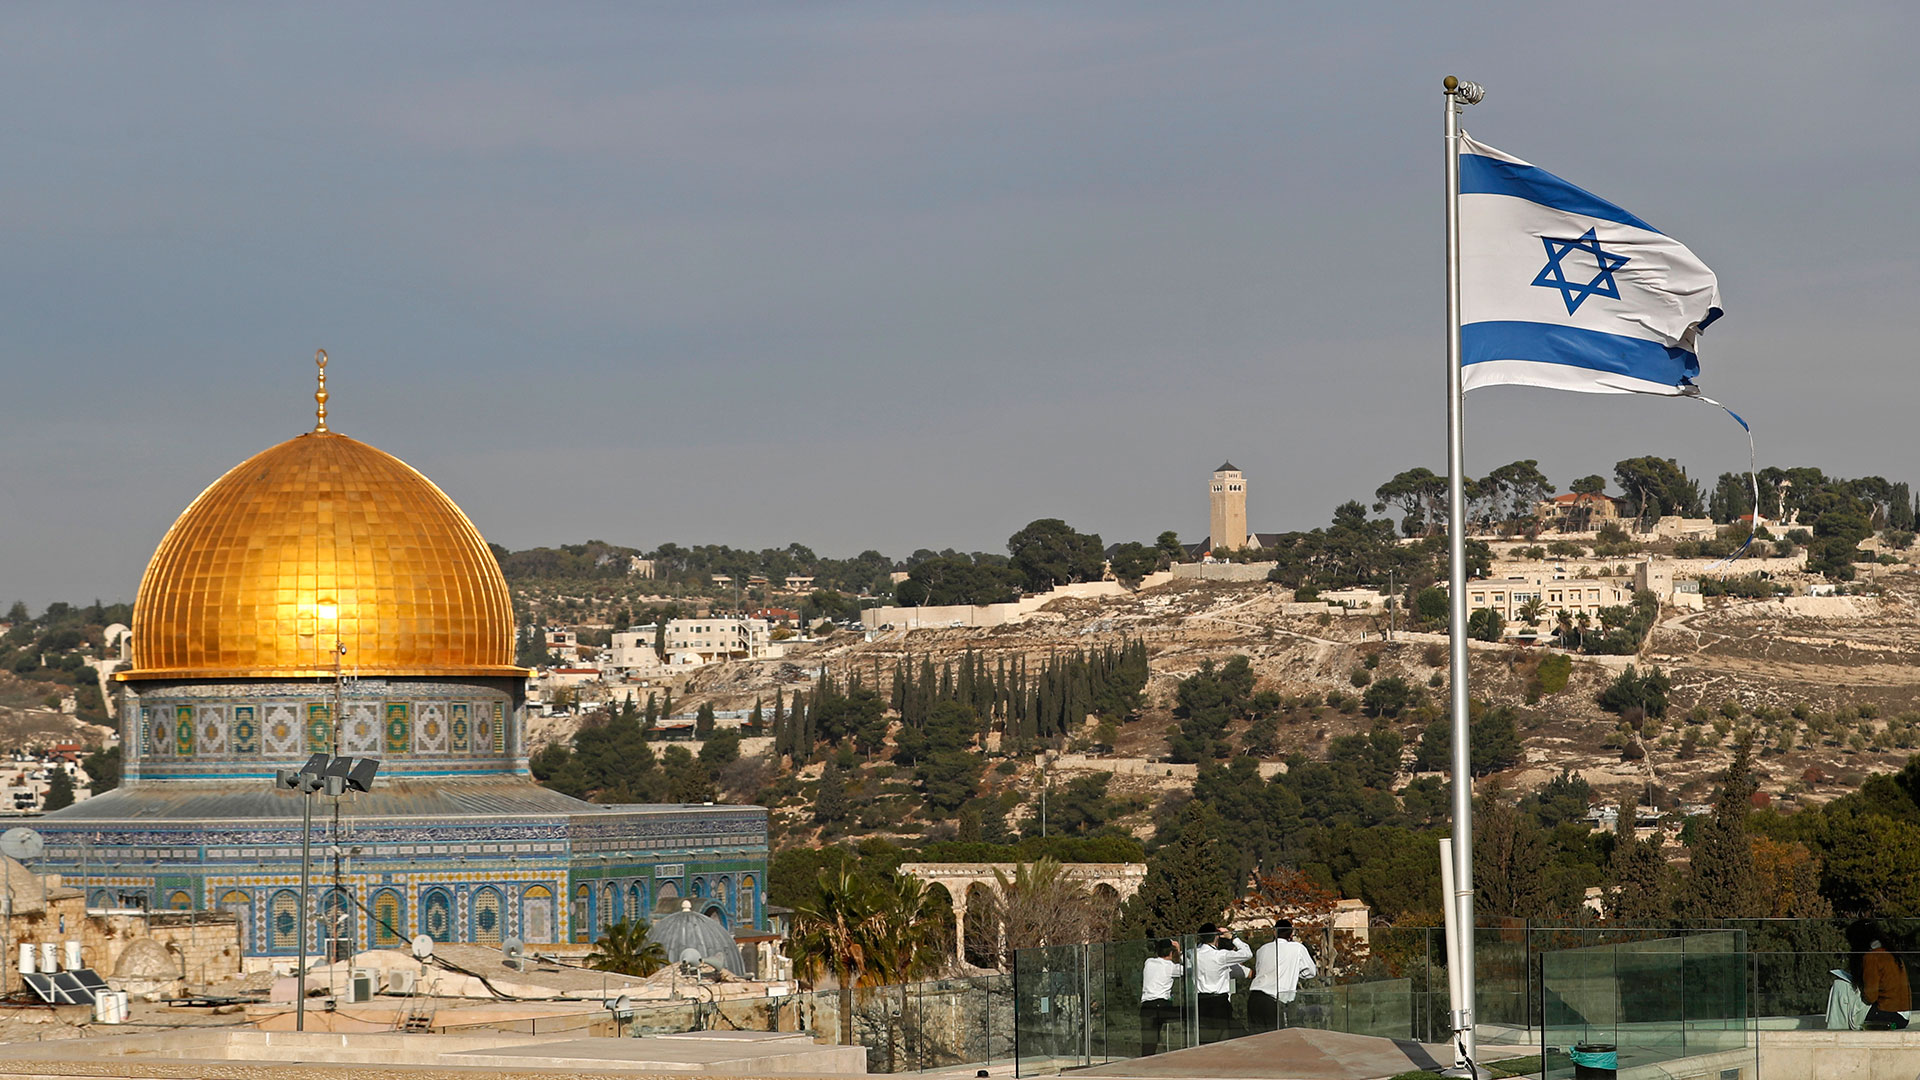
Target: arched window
(242,907)
(389,918)
(608,893)
(699,887)
(720,893)
(636,901)
(717,913)
(336,928)
(668,898)
(436,914)
(178,900)
(580,918)
(283,928)
(489,915)
(743,906)
(536,915)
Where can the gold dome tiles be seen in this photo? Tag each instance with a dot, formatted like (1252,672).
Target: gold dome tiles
(318,540)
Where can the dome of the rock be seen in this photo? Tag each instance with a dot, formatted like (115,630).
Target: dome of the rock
(322,540)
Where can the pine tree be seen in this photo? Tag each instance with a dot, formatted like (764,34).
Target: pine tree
(1185,884)
(1721,881)
(1642,883)
(757,718)
(831,804)
(59,791)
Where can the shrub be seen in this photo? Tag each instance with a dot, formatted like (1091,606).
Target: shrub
(1389,697)
(1485,624)
(1633,690)
(1434,655)
(1553,672)
(1359,676)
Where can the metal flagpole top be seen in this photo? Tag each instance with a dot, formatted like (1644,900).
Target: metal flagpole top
(1466,93)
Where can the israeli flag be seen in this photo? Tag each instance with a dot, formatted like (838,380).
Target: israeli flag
(1561,288)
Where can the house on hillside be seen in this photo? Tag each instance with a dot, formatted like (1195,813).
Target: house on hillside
(1578,512)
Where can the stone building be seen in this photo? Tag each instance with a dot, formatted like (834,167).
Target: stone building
(324,597)
(1227,505)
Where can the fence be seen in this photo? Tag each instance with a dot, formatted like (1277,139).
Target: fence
(1668,996)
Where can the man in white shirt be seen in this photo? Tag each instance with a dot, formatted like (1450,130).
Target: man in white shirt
(1278,967)
(1215,963)
(1157,1007)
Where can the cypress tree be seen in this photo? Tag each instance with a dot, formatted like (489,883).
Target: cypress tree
(1185,885)
(1721,882)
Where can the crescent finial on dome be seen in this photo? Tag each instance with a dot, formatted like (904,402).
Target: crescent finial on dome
(320,395)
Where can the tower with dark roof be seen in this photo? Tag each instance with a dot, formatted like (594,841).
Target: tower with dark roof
(1227,500)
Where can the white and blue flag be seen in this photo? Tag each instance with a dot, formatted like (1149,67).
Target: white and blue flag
(1562,289)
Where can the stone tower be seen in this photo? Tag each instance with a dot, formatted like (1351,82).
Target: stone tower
(1227,499)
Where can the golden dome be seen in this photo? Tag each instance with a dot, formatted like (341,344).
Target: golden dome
(318,540)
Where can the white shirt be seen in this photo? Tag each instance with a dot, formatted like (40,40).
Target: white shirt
(1156,981)
(1279,966)
(1213,968)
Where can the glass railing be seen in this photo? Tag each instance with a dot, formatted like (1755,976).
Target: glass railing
(1626,998)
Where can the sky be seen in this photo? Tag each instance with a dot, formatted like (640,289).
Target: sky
(895,275)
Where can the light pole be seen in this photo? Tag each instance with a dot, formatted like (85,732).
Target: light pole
(333,776)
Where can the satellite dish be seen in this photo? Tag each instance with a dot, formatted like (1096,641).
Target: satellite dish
(22,844)
(422,946)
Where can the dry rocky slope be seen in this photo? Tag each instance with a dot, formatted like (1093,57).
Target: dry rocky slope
(1820,657)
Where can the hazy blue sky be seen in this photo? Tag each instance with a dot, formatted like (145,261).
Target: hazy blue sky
(894,275)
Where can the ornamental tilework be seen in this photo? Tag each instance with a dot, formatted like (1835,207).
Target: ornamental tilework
(429,728)
(244,735)
(458,726)
(362,734)
(499,728)
(482,732)
(183,730)
(281,732)
(160,733)
(211,723)
(319,727)
(399,730)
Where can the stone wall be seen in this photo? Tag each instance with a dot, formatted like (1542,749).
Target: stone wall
(1238,571)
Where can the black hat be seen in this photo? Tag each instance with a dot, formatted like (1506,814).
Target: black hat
(1209,930)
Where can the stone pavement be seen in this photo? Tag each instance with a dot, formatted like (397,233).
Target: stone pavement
(1290,1054)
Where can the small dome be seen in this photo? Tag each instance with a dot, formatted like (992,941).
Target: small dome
(679,932)
(318,540)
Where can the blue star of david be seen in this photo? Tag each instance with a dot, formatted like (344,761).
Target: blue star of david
(1552,276)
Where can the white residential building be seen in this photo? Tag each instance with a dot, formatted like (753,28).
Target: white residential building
(632,655)
(720,637)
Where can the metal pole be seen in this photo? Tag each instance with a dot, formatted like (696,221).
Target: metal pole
(1458,94)
(306,852)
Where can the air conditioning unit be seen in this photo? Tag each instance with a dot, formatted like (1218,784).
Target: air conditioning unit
(401,980)
(363,984)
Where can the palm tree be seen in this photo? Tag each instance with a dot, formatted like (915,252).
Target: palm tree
(908,932)
(833,933)
(1563,624)
(1531,610)
(626,950)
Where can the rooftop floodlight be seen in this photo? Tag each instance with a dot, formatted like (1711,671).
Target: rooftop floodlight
(360,777)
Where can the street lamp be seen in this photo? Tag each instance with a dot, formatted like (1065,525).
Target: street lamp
(334,777)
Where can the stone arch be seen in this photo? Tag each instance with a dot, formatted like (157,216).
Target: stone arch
(668,898)
(487,916)
(436,914)
(715,911)
(979,930)
(941,899)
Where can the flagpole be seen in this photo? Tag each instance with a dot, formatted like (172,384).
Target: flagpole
(1458,95)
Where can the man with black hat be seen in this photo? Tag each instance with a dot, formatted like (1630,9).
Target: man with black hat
(1215,963)
(1278,967)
